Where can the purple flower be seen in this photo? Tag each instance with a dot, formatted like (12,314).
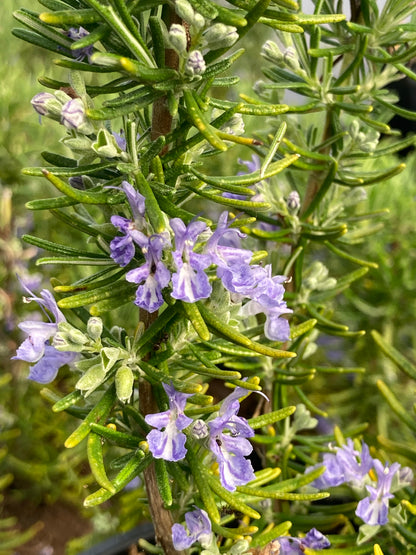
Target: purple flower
(267,298)
(231,449)
(122,249)
(190,283)
(169,444)
(199,527)
(153,272)
(36,347)
(80,53)
(374,509)
(120,139)
(346,466)
(296,546)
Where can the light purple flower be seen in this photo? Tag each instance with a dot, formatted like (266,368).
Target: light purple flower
(122,248)
(296,546)
(190,283)
(374,509)
(168,441)
(199,527)
(267,298)
(231,449)
(36,347)
(80,53)
(153,272)
(347,465)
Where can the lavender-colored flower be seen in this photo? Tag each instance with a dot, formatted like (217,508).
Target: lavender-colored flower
(153,272)
(120,139)
(267,298)
(122,248)
(36,347)
(195,64)
(190,283)
(199,527)
(168,441)
(252,165)
(231,449)
(80,53)
(73,114)
(374,509)
(296,546)
(347,465)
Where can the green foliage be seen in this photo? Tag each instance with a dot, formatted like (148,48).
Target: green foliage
(318,200)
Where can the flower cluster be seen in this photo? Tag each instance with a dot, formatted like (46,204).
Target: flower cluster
(190,259)
(37,347)
(230,449)
(350,466)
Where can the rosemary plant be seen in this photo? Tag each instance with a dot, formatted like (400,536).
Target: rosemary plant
(203,289)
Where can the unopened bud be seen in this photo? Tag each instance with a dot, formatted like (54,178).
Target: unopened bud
(293,202)
(195,64)
(124,383)
(199,429)
(95,328)
(220,36)
(185,11)
(46,104)
(73,116)
(271,52)
(177,38)
(290,58)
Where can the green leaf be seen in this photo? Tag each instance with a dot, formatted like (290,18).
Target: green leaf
(70,17)
(350,257)
(394,355)
(87,197)
(134,466)
(250,109)
(98,413)
(96,462)
(70,171)
(236,337)
(248,179)
(231,499)
(60,249)
(112,289)
(200,122)
(200,476)
(270,417)
(396,406)
(163,482)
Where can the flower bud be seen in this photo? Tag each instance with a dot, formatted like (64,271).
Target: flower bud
(73,116)
(177,38)
(95,328)
(220,36)
(109,356)
(293,202)
(124,383)
(199,429)
(290,58)
(271,52)
(195,64)
(185,11)
(46,104)
(92,378)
